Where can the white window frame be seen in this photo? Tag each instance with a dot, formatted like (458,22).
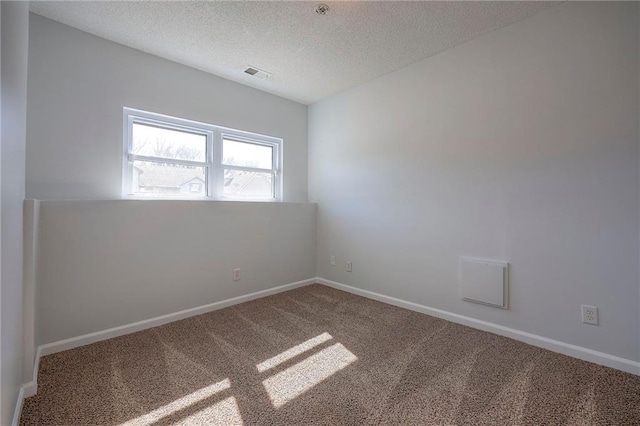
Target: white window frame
(213,161)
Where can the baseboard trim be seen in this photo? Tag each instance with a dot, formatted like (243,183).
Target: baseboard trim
(18,410)
(87,339)
(27,390)
(30,389)
(579,352)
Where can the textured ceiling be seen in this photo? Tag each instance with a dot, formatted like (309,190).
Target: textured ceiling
(310,56)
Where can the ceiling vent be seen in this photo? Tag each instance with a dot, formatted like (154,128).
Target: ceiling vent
(258,73)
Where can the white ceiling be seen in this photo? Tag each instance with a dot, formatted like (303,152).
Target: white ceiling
(310,56)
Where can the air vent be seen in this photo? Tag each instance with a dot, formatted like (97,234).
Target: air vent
(258,73)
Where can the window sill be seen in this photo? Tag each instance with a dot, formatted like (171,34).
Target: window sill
(170,198)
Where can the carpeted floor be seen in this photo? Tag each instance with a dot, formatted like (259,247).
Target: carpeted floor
(316,355)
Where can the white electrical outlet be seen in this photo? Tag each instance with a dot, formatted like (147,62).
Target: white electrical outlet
(590,314)
(349,266)
(236,274)
(333,260)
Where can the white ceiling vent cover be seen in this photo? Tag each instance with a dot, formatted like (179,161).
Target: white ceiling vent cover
(257,73)
(484,281)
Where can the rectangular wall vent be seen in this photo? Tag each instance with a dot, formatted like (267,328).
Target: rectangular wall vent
(258,73)
(484,281)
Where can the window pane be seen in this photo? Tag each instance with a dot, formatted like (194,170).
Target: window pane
(168,179)
(167,143)
(246,154)
(241,184)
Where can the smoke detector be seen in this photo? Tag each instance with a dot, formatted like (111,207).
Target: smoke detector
(322,9)
(257,73)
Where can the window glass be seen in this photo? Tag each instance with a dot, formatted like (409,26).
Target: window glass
(244,184)
(168,179)
(246,154)
(152,141)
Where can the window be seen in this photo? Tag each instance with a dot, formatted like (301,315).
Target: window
(168,157)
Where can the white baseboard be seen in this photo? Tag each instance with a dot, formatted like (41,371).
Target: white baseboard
(18,410)
(87,339)
(579,352)
(30,389)
(26,390)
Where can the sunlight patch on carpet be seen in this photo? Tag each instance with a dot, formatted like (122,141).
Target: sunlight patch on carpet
(179,404)
(301,377)
(293,352)
(225,412)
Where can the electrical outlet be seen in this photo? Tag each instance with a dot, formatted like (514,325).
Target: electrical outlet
(590,314)
(349,266)
(236,274)
(333,260)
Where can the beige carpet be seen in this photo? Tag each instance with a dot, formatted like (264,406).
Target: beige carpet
(316,355)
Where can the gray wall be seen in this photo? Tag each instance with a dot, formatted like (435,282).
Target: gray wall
(519,145)
(78,85)
(14,43)
(105,263)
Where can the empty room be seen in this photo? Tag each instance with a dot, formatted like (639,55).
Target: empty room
(310,212)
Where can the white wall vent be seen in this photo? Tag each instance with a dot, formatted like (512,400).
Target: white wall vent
(258,73)
(484,281)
